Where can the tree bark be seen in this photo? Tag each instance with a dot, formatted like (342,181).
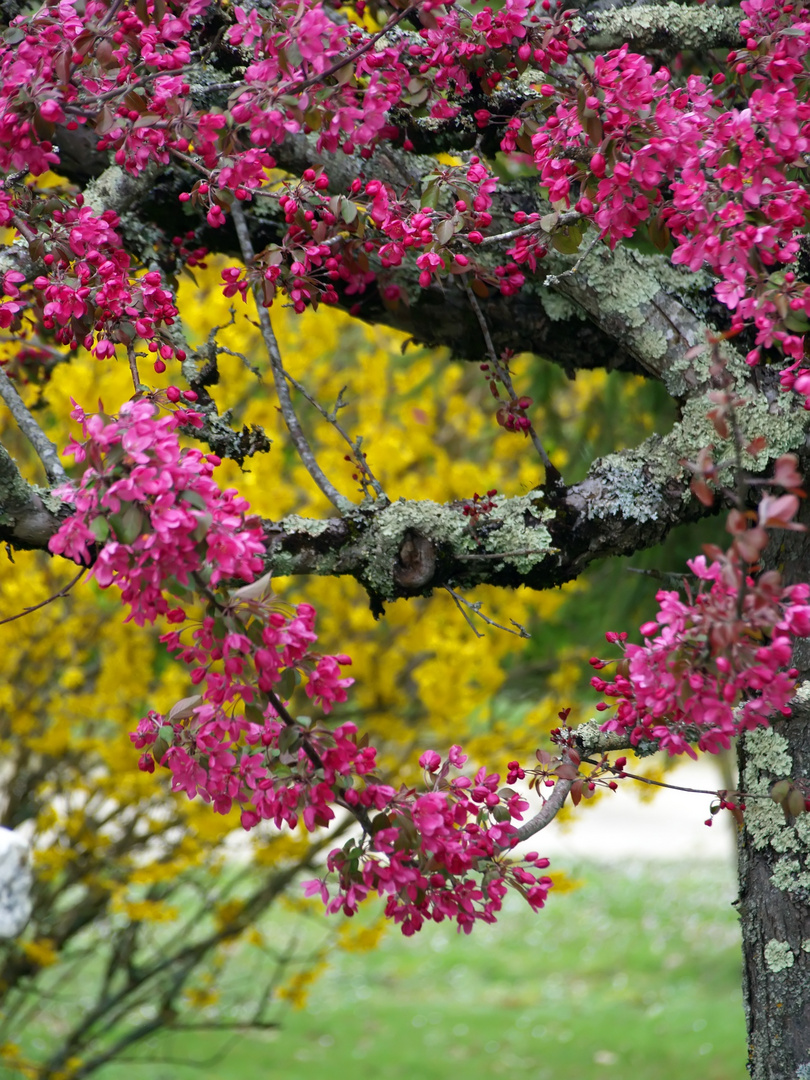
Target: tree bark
(774,852)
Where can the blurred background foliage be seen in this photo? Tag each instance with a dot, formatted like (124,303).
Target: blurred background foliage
(146,904)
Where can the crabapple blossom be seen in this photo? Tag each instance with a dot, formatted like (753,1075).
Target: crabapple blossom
(148,513)
(711,170)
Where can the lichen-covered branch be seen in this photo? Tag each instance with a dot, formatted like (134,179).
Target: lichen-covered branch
(645,299)
(672,27)
(620,309)
(28,517)
(628,501)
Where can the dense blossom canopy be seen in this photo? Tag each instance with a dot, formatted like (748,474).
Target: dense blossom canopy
(707,168)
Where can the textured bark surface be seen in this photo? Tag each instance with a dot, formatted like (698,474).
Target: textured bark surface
(774,902)
(775,920)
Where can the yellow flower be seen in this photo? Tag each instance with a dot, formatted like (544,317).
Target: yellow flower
(200,997)
(296,989)
(145,910)
(41,951)
(226,914)
(353,937)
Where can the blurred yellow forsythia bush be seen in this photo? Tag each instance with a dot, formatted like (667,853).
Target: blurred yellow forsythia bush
(134,887)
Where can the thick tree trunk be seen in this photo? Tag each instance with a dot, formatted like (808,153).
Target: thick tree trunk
(775,877)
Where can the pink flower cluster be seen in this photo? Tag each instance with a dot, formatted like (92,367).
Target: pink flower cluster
(439,855)
(718,170)
(243,662)
(330,238)
(148,514)
(272,771)
(123,74)
(150,519)
(711,665)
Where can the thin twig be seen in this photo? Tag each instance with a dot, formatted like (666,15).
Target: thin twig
(331,418)
(502,373)
(317,80)
(297,435)
(475,608)
(659,575)
(112,11)
(315,758)
(23,229)
(223,1025)
(50,600)
(133,368)
(46,451)
(569,218)
(624,775)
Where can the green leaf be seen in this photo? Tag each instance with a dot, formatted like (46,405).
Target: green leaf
(567,243)
(100,528)
(182,710)
(794,803)
(780,790)
(430,196)
(204,522)
(348,211)
(194,498)
(128,524)
(289,740)
(796,322)
(446,230)
(286,684)
(659,234)
(254,713)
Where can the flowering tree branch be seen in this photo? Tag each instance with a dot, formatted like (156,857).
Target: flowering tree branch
(625,152)
(609,324)
(547,812)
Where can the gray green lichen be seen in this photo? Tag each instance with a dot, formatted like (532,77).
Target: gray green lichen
(689,28)
(623,283)
(768,759)
(448,528)
(778,955)
(556,307)
(788,876)
(636,476)
(293,523)
(628,483)
(515,536)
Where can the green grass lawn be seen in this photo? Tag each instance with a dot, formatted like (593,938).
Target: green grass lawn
(635,974)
